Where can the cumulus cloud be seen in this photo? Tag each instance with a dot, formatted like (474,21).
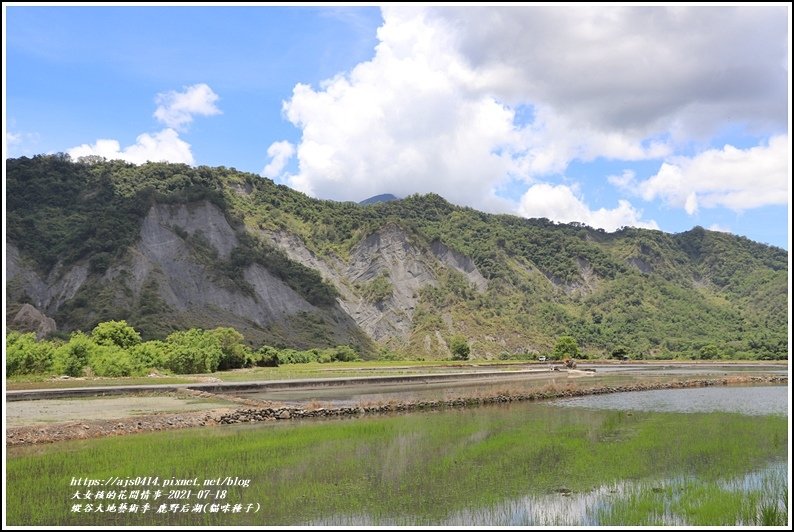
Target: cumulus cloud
(280,153)
(176,109)
(553,140)
(637,69)
(730,177)
(162,146)
(561,204)
(403,122)
(439,107)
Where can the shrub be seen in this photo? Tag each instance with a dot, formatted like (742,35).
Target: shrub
(149,355)
(344,353)
(111,361)
(379,289)
(24,355)
(709,352)
(566,347)
(72,357)
(116,333)
(620,352)
(460,348)
(265,356)
(291,356)
(234,354)
(386,354)
(192,351)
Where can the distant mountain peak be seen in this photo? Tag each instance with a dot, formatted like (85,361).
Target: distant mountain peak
(380,198)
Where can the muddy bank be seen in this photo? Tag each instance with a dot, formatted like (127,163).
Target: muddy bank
(49,411)
(259,412)
(81,430)
(220,387)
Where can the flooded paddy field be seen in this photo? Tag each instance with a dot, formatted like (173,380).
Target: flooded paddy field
(552,462)
(603,375)
(627,458)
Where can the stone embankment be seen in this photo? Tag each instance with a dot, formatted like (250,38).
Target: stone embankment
(250,413)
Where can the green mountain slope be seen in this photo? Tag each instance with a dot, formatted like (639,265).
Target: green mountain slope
(168,246)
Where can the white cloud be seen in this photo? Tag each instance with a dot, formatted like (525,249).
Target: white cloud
(416,118)
(553,140)
(730,177)
(437,107)
(404,122)
(176,109)
(635,69)
(623,180)
(162,146)
(561,204)
(719,228)
(280,153)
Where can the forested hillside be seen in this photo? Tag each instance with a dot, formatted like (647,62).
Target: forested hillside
(168,247)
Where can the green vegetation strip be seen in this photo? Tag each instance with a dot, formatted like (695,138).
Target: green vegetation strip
(413,469)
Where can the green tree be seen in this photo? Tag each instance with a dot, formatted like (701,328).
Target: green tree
(344,353)
(566,347)
(149,355)
(111,361)
(620,352)
(234,353)
(24,355)
(193,351)
(709,352)
(265,356)
(460,348)
(116,333)
(73,356)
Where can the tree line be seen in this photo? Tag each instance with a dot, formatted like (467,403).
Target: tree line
(115,349)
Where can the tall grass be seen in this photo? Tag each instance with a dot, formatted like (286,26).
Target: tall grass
(693,501)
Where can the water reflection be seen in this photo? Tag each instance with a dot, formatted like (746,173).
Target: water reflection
(593,508)
(605,375)
(756,400)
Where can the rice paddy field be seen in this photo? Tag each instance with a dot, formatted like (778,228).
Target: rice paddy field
(542,463)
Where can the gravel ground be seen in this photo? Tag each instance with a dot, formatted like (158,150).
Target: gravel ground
(49,411)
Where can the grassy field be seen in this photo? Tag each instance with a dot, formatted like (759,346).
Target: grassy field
(697,503)
(418,468)
(38,382)
(314,370)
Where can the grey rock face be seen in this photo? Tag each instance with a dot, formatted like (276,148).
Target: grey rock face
(184,282)
(165,254)
(388,252)
(30,319)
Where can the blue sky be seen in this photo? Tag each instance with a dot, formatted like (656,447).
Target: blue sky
(645,116)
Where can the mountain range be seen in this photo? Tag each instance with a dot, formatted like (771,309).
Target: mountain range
(170,246)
